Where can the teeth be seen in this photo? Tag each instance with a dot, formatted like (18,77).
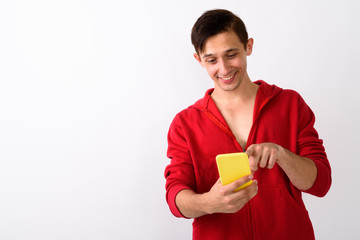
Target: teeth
(228,78)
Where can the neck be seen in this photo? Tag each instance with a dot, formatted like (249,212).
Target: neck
(245,92)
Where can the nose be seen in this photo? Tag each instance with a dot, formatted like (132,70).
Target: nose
(223,67)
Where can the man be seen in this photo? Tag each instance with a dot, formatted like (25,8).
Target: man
(273,126)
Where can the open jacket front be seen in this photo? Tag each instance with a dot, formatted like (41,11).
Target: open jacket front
(199,133)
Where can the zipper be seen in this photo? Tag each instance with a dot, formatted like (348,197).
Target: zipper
(226,129)
(252,222)
(249,220)
(218,123)
(252,129)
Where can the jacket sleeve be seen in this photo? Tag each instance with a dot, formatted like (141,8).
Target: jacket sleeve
(311,146)
(179,173)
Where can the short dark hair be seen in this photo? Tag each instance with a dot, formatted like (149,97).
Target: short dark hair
(216,21)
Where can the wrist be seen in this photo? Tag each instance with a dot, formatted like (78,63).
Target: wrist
(191,204)
(282,155)
(203,203)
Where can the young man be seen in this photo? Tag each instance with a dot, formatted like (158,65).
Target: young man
(273,126)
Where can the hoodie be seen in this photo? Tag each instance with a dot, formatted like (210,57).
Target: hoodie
(199,133)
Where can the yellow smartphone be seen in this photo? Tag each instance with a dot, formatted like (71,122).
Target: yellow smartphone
(232,166)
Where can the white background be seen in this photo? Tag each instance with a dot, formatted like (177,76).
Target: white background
(88,90)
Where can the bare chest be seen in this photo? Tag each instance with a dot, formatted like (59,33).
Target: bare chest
(240,122)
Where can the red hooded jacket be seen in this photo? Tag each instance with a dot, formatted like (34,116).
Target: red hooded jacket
(199,133)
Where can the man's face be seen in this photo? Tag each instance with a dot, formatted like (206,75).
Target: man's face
(224,58)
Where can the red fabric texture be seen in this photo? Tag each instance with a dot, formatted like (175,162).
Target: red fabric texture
(199,133)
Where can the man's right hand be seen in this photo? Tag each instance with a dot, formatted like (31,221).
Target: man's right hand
(220,198)
(224,199)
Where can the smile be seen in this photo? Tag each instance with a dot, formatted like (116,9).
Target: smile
(228,79)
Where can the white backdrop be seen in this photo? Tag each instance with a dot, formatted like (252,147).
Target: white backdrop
(88,90)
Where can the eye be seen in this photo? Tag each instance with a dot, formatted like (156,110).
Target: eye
(232,55)
(211,60)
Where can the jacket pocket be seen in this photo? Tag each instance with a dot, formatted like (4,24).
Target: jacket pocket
(278,215)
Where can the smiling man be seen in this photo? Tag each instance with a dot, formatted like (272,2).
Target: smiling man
(275,127)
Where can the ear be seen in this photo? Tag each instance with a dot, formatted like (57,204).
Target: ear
(249,46)
(198,58)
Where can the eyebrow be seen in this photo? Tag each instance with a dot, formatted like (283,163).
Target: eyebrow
(227,51)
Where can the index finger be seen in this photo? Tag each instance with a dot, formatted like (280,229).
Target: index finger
(250,150)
